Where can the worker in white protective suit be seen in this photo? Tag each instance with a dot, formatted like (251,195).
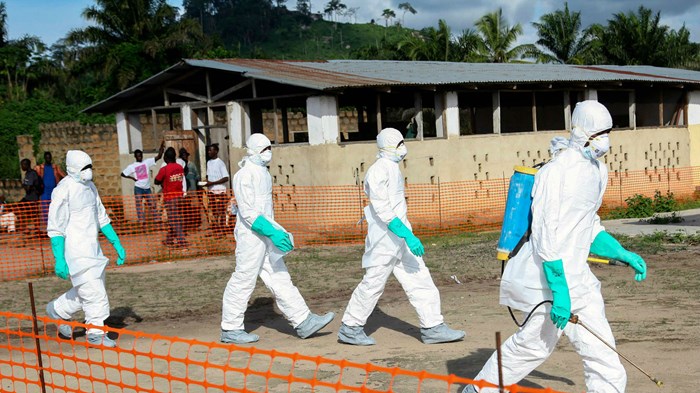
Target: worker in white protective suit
(260,245)
(76,214)
(552,265)
(391,247)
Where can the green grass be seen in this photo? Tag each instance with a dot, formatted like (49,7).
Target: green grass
(658,242)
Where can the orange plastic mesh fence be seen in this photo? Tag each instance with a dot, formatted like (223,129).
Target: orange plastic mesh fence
(314,215)
(152,363)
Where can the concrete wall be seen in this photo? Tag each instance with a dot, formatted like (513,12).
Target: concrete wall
(99,141)
(11,189)
(478,157)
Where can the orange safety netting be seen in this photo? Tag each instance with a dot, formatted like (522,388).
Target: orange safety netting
(314,215)
(35,361)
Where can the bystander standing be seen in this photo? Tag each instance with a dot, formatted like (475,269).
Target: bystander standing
(217,178)
(139,173)
(50,175)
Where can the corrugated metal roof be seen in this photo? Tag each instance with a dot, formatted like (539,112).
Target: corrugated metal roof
(442,73)
(338,74)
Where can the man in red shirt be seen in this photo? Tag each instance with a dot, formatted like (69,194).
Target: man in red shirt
(170,178)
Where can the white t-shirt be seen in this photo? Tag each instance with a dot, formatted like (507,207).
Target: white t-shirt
(216,170)
(139,170)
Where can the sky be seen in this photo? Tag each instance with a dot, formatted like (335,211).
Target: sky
(51,20)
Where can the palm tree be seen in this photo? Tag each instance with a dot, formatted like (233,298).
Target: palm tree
(431,44)
(388,14)
(21,61)
(406,7)
(635,38)
(498,39)
(561,36)
(333,7)
(3,24)
(467,46)
(131,39)
(639,38)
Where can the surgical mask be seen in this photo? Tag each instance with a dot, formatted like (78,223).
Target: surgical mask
(86,175)
(597,147)
(395,154)
(263,158)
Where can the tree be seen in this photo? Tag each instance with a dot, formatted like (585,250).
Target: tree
(498,39)
(406,7)
(130,40)
(640,38)
(388,14)
(21,63)
(431,44)
(561,37)
(304,7)
(3,24)
(467,46)
(333,7)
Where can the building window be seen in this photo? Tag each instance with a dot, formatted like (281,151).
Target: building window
(674,107)
(475,113)
(282,120)
(618,104)
(549,106)
(647,107)
(516,111)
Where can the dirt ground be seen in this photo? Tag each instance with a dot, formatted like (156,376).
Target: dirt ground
(655,322)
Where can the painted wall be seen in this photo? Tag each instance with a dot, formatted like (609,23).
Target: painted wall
(479,157)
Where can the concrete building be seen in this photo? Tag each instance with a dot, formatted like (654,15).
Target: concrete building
(462,121)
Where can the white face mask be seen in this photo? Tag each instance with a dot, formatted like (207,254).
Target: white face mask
(263,158)
(86,175)
(401,152)
(597,147)
(395,154)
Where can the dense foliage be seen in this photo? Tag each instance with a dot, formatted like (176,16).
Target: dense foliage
(130,40)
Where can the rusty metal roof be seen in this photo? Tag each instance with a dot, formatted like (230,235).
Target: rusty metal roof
(336,75)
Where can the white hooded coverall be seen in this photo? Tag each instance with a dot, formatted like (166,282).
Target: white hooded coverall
(255,253)
(386,253)
(566,196)
(76,213)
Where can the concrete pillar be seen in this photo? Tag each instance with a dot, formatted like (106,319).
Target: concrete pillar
(247,128)
(694,130)
(235,123)
(452,113)
(135,132)
(322,114)
(201,142)
(496,105)
(440,114)
(122,133)
(590,94)
(186,115)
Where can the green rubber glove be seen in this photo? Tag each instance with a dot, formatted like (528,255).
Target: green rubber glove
(279,237)
(401,230)
(112,237)
(561,301)
(606,246)
(58,246)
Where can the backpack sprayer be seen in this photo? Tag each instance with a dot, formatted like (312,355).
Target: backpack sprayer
(515,232)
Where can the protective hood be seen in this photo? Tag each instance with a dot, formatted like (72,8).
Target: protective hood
(557,144)
(589,117)
(388,143)
(76,160)
(254,149)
